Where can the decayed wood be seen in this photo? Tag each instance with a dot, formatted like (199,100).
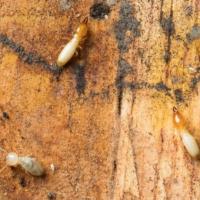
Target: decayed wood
(106,126)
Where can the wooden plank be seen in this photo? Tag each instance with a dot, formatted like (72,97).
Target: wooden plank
(106,126)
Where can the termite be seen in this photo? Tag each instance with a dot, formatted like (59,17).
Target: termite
(71,47)
(29,164)
(188,139)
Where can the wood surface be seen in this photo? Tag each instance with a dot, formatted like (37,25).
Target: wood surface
(105,125)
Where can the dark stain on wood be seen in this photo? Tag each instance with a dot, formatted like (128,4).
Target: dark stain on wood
(79,71)
(127,22)
(99,10)
(5,115)
(27,57)
(179,95)
(124,68)
(168,27)
(194,34)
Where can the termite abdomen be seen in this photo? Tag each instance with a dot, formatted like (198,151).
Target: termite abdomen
(31,165)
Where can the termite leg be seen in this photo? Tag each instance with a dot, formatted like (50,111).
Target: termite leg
(85,20)
(175,109)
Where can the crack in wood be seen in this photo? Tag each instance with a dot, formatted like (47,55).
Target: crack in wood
(79,71)
(161,10)
(126,22)
(123,70)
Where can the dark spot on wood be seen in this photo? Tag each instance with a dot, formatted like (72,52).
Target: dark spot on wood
(5,115)
(99,10)
(79,71)
(194,34)
(114,165)
(51,196)
(127,22)
(167,56)
(161,87)
(179,95)
(194,82)
(124,68)
(22,181)
(27,57)
(168,27)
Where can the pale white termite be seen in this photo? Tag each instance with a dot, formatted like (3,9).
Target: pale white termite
(29,164)
(71,47)
(188,139)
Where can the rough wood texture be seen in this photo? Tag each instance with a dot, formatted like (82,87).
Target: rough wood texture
(106,126)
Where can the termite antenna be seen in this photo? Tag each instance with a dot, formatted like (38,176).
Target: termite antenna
(175,109)
(85,20)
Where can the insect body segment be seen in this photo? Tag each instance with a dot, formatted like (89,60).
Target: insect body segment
(29,164)
(188,139)
(190,144)
(71,47)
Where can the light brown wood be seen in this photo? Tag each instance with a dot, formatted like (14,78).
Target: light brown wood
(106,126)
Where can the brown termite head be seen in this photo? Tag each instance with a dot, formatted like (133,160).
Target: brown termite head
(82,30)
(178,119)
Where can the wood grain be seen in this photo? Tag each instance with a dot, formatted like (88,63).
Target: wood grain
(106,126)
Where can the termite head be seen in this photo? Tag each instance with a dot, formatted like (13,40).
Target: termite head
(12,159)
(82,29)
(178,119)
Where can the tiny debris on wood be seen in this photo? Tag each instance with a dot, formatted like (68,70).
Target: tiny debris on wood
(5,115)
(22,181)
(52,167)
(51,195)
(66,4)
